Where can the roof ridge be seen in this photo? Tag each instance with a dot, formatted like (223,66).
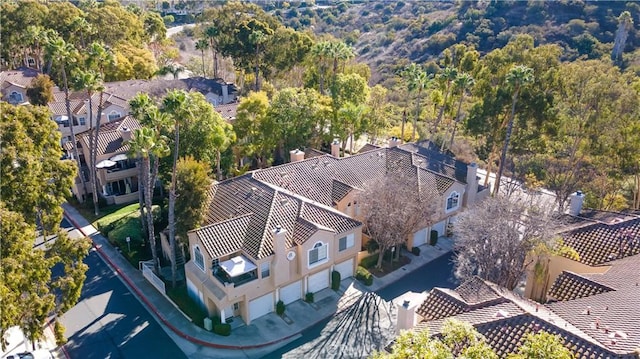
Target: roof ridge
(220,222)
(267,231)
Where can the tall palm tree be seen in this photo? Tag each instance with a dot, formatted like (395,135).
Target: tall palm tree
(82,27)
(147,144)
(91,82)
(320,52)
(258,39)
(339,51)
(139,107)
(202,45)
(63,54)
(417,81)
(462,83)
(212,33)
(517,78)
(447,76)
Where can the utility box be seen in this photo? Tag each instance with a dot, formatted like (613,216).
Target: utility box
(208,324)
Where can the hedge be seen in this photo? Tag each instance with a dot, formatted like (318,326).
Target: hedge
(434,237)
(308,297)
(415,251)
(363,275)
(370,261)
(335,280)
(223,329)
(280,308)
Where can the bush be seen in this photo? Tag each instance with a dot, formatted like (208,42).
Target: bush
(434,237)
(335,280)
(415,251)
(280,308)
(363,275)
(370,261)
(223,329)
(308,297)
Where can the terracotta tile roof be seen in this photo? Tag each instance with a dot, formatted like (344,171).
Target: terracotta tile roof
(617,309)
(228,111)
(439,304)
(223,238)
(476,290)
(110,138)
(339,190)
(312,152)
(436,161)
(570,286)
(159,87)
(21,77)
(267,206)
(599,243)
(368,147)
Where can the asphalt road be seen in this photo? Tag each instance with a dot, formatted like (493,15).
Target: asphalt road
(320,340)
(109,322)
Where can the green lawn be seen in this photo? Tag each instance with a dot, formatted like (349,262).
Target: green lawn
(180,296)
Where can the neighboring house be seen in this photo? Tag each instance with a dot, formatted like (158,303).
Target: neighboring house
(117,174)
(504,317)
(217,91)
(241,265)
(14,84)
(228,111)
(114,108)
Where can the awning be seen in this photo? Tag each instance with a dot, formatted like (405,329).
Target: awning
(120,157)
(237,266)
(105,164)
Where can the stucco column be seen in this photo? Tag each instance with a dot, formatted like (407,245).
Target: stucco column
(305,284)
(223,318)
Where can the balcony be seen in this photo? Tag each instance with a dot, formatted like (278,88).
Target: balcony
(237,271)
(242,279)
(120,173)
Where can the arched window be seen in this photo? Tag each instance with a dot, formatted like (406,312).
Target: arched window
(114,115)
(198,258)
(15,97)
(318,254)
(453,200)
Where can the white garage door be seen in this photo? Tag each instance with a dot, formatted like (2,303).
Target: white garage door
(345,268)
(260,306)
(440,227)
(319,281)
(291,292)
(420,237)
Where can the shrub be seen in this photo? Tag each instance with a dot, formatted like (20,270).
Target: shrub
(363,275)
(308,297)
(415,251)
(370,261)
(335,280)
(434,237)
(223,329)
(280,308)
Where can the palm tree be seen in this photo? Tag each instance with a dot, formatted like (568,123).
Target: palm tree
(139,107)
(62,53)
(81,26)
(517,78)
(320,52)
(462,83)
(212,33)
(447,76)
(90,82)
(625,24)
(148,145)
(417,81)
(339,51)
(202,45)
(172,69)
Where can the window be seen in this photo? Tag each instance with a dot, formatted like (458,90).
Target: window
(452,201)
(236,306)
(264,270)
(318,253)
(15,97)
(114,115)
(345,242)
(198,258)
(82,120)
(215,262)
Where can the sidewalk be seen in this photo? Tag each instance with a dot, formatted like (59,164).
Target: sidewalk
(264,334)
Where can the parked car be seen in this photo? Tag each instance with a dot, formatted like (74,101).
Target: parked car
(36,354)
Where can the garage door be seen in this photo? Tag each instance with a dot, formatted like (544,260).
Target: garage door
(345,269)
(420,237)
(260,306)
(440,227)
(292,292)
(319,281)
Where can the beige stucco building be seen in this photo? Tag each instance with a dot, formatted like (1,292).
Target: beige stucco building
(278,233)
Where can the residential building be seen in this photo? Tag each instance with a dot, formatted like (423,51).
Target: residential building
(117,173)
(14,84)
(278,233)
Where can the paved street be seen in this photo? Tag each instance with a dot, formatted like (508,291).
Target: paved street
(109,322)
(369,323)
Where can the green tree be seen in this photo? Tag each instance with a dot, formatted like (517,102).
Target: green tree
(377,118)
(463,83)
(517,78)
(254,129)
(203,45)
(193,185)
(40,91)
(417,81)
(542,345)
(212,33)
(625,24)
(446,79)
(346,89)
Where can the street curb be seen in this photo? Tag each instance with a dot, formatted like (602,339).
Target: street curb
(150,305)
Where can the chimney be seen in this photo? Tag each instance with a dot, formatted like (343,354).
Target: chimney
(575,203)
(394,142)
(225,93)
(125,133)
(86,108)
(406,315)
(281,264)
(472,183)
(296,155)
(335,149)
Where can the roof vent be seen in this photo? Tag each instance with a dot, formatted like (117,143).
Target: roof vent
(618,334)
(284,202)
(501,314)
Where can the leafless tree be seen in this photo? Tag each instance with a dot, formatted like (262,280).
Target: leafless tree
(395,207)
(494,237)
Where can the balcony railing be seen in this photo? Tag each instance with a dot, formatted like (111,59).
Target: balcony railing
(237,281)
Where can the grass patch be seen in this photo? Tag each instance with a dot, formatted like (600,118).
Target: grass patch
(180,296)
(129,226)
(389,267)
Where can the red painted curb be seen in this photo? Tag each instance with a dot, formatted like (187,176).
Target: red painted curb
(164,320)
